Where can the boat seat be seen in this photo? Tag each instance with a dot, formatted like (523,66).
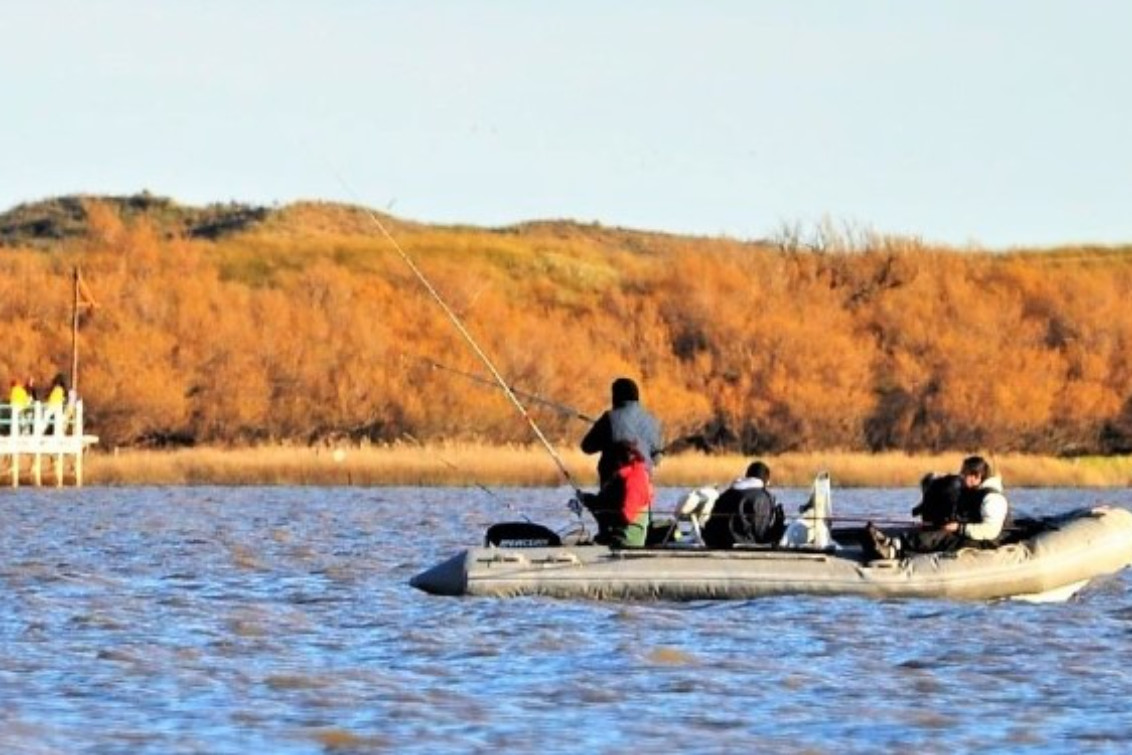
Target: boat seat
(694,511)
(810,529)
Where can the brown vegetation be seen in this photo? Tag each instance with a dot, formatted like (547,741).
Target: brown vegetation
(477,465)
(301,325)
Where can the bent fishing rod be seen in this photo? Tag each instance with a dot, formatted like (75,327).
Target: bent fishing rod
(463,331)
(534,398)
(677,443)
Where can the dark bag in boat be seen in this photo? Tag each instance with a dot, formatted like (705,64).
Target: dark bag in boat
(744,516)
(521,535)
(940,501)
(761,519)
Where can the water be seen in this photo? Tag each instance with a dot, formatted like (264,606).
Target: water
(210,620)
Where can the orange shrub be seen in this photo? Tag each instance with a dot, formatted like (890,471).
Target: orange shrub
(309,326)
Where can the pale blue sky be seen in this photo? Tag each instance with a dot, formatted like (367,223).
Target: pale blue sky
(994,122)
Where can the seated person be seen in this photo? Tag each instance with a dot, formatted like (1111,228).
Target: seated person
(967,510)
(746,512)
(621,507)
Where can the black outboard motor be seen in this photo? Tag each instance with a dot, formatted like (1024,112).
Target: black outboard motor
(521,535)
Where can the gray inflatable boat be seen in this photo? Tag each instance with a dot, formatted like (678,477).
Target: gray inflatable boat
(1065,553)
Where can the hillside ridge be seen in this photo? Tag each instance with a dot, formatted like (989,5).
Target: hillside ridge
(46,222)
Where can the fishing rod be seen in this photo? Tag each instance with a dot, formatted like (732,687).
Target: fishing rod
(864,519)
(479,352)
(910,524)
(834,519)
(563,409)
(455,468)
(678,443)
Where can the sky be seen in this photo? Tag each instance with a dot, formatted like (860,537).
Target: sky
(985,123)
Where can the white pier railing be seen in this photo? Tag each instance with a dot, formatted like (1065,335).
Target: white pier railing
(37,431)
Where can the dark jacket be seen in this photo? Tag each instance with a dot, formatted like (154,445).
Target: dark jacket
(745,513)
(628,421)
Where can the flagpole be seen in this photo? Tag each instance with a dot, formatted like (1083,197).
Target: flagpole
(75,335)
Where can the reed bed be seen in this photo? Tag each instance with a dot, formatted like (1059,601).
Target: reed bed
(470,464)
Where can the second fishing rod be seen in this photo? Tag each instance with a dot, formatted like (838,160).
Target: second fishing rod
(471,342)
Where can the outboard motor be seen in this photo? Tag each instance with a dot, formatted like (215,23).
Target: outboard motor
(521,535)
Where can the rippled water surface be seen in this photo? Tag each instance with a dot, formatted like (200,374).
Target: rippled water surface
(280,620)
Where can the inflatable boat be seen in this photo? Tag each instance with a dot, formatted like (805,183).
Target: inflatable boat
(1051,561)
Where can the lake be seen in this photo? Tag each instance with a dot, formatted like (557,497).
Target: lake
(280,620)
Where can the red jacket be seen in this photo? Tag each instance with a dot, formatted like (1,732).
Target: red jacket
(638,489)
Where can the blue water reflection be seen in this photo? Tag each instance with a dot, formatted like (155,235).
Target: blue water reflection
(228,620)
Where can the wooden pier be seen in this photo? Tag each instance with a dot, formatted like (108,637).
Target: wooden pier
(38,431)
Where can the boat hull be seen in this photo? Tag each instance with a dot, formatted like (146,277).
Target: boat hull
(1080,546)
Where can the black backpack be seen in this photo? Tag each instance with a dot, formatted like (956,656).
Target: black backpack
(940,502)
(760,519)
(748,516)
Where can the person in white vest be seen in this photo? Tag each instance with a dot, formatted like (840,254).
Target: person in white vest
(981,514)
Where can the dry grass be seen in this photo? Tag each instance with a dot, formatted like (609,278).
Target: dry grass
(447,464)
(462,464)
(895,469)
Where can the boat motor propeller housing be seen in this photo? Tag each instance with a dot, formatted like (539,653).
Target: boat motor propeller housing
(521,535)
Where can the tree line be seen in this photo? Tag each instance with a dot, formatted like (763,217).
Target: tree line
(301,325)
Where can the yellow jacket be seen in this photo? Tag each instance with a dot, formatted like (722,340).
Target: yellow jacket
(56,398)
(18,397)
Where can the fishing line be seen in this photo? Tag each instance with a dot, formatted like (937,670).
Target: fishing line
(459,325)
(562,409)
(482,487)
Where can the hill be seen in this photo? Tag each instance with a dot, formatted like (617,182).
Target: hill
(43,223)
(235,324)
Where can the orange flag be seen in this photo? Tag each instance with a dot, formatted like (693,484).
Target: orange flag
(86,298)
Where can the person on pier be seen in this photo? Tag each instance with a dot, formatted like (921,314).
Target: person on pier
(19,403)
(55,405)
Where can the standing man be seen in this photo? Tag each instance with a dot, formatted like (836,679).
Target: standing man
(625,421)
(621,507)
